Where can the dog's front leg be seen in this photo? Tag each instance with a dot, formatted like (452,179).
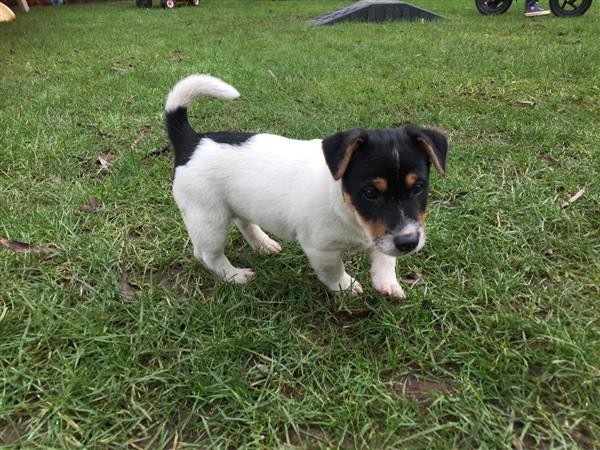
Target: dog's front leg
(383,275)
(330,270)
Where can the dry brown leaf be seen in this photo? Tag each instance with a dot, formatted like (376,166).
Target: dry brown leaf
(525,102)
(175,441)
(549,158)
(92,206)
(122,70)
(517,443)
(105,160)
(159,151)
(272,75)
(577,195)
(573,198)
(23,247)
(175,56)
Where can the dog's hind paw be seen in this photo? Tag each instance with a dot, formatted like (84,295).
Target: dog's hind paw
(239,276)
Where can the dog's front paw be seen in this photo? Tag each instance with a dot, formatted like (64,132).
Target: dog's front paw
(268,246)
(389,288)
(347,283)
(239,276)
(356,287)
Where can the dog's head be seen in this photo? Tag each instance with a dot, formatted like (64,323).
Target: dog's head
(384,177)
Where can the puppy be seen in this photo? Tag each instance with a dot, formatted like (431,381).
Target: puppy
(357,189)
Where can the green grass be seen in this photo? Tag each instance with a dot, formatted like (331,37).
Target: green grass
(497,346)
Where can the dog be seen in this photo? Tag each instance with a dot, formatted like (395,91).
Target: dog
(354,190)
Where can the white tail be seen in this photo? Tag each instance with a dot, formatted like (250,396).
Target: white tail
(193,86)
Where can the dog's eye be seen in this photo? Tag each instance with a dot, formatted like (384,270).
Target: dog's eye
(418,187)
(370,193)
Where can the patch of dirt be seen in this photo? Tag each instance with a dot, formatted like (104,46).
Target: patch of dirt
(583,436)
(287,390)
(124,285)
(12,433)
(311,437)
(416,388)
(302,436)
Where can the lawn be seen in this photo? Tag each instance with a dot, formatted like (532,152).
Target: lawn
(113,336)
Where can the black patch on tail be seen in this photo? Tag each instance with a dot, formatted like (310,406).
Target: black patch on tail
(182,135)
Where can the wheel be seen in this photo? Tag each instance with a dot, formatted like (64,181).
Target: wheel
(169,4)
(493,7)
(570,8)
(194,2)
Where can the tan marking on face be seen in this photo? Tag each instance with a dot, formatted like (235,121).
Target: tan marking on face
(421,217)
(347,200)
(381,184)
(374,228)
(410,179)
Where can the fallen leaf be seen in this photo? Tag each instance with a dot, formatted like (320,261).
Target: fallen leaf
(124,286)
(175,56)
(160,151)
(549,158)
(120,70)
(175,441)
(272,75)
(525,102)
(93,206)
(573,198)
(105,160)
(140,138)
(517,443)
(23,247)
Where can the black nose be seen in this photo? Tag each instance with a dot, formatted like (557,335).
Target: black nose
(406,242)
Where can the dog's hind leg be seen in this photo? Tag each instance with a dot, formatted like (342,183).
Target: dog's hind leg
(257,238)
(330,270)
(208,232)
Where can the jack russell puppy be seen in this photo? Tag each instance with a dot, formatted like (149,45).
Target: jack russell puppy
(356,189)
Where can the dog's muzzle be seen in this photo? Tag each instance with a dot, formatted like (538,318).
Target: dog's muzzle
(409,239)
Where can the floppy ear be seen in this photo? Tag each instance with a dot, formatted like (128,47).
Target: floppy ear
(339,148)
(434,144)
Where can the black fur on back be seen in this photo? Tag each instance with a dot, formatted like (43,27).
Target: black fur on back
(185,140)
